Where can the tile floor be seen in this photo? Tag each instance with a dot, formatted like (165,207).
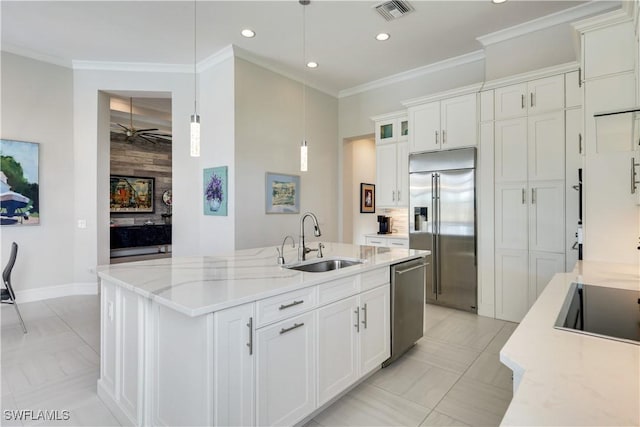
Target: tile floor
(451,377)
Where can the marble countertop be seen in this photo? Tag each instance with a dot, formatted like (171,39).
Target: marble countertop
(571,379)
(200,285)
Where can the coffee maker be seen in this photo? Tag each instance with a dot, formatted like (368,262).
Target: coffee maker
(384,224)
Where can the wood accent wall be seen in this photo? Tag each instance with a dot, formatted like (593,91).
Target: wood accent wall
(146,160)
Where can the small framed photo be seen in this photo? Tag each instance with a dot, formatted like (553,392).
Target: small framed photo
(282,193)
(367,198)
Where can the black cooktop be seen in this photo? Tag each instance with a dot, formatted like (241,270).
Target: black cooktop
(605,312)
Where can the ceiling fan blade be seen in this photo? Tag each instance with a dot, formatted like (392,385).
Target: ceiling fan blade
(146,139)
(145,130)
(123,127)
(160,135)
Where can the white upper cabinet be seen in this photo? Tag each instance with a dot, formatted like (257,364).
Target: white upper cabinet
(425,127)
(608,50)
(573,88)
(536,96)
(393,129)
(511,150)
(446,124)
(546,146)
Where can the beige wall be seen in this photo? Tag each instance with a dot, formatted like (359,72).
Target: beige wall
(269,129)
(37,106)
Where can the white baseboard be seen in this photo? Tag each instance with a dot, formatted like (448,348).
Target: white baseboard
(39,294)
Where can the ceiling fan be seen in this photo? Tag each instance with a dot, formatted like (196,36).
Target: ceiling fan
(151,135)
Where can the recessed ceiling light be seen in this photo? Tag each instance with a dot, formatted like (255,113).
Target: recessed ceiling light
(382,37)
(312,64)
(248,33)
(498,1)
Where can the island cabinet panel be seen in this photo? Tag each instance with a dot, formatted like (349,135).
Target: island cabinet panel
(234,366)
(120,350)
(181,367)
(337,348)
(286,381)
(375,328)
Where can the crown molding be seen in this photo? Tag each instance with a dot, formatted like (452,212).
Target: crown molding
(606,19)
(562,17)
(254,59)
(531,75)
(416,72)
(38,56)
(211,61)
(131,66)
(389,116)
(464,90)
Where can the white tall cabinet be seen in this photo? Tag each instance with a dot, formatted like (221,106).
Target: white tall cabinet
(392,160)
(611,215)
(529,208)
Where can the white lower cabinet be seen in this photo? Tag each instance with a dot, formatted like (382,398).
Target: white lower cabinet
(542,267)
(512,280)
(285,386)
(354,338)
(233,366)
(337,348)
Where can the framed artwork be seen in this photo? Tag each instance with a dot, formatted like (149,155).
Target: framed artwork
(19,183)
(131,194)
(367,198)
(282,193)
(215,194)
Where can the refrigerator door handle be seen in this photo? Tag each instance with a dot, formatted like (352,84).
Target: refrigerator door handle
(439,259)
(434,219)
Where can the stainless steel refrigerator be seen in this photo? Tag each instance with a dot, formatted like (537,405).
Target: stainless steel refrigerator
(442,216)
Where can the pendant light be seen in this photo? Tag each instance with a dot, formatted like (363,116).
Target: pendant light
(195,118)
(304,167)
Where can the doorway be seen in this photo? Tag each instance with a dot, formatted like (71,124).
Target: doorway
(359,166)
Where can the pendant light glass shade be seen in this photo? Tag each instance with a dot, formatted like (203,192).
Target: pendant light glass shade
(195,135)
(195,118)
(303,156)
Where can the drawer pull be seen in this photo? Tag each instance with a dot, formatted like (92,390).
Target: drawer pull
(295,326)
(397,243)
(284,306)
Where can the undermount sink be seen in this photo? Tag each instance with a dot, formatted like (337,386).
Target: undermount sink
(323,265)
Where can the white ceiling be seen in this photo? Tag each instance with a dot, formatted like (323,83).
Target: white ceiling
(340,34)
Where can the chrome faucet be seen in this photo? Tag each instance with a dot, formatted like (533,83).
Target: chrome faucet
(281,250)
(303,250)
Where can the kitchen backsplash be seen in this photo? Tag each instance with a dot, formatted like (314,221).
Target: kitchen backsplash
(400,219)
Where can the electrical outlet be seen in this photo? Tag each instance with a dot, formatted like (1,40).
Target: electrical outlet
(82,223)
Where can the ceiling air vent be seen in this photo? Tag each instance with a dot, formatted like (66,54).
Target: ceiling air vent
(394,9)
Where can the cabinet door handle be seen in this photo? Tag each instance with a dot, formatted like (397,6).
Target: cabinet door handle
(532,99)
(444,136)
(250,343)
(633,175)
(357,313)
(580,143)
(285,306)
(398,195)
(524,196)
(295,326)
(393,196)
(364,310)
(436,137)
(522,101)
(533,196)
(580,77)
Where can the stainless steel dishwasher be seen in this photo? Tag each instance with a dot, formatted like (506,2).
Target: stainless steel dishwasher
(407,306)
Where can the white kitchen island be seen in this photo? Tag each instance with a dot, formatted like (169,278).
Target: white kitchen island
(564,378)
(238,339)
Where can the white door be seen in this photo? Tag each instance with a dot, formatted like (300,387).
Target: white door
(375,334)
(386,171)
(511,210)
(546,146)
(233,366)
(510,101)
(546,94)
(424,134)
(458,118)
(511,285)
(337,348)
(402,178)
(286,388)
(542,267)
(511,150)
(546,216)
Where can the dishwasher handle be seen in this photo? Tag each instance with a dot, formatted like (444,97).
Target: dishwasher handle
(410,269)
